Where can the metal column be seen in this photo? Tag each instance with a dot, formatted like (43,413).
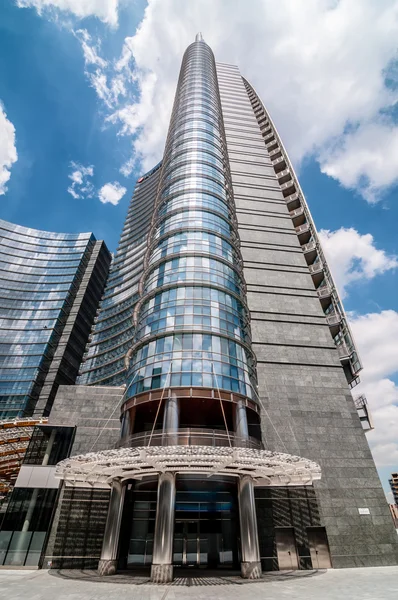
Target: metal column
(171,419)
(251,564)
(108,562)
(162,558)
(240,423)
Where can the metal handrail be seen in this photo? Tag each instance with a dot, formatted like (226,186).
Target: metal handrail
(333,319)
(308,247)
(316,267)
(189,437)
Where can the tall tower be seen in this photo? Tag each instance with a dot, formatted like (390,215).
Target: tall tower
(223,345)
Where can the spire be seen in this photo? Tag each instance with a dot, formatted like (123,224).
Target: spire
(199,37)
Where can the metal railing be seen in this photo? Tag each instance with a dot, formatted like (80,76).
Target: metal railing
(308,247)
(316,267)
(189,437)
(333,319)
(324,291)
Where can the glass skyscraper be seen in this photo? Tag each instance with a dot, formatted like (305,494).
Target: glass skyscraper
(215,426)
(50,284)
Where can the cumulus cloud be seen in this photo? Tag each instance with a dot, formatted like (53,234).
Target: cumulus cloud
(108,85)
(324,69)
(354,257)
(333,88)
(8,151)
(81,186)
(365,160)
(112,193)
(376,335)
(105,10)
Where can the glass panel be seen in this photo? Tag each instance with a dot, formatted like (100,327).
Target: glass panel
(5,537)
(18,548)
(35,548)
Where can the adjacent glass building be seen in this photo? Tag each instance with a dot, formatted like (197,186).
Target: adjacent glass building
(50,285)
(215,390)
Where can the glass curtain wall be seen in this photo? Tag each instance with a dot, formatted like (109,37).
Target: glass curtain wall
(113,331)
(39,273)
(192,323)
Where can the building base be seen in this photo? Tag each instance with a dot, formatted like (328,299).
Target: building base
(251,570)
(107,567)
(162,573)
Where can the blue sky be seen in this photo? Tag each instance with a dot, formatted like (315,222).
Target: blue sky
(86,91)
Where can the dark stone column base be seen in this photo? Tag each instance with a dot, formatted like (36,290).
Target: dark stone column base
(251,570)
(162,573)
(107,567)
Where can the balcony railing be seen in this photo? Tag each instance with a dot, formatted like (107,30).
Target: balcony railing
(364,414)
(316,268)
(302,228)
(284,176)
(308,247)
(297,212)
(275,153)
(189,437)
(333,319)
(279,164)
(343,351)
(324,292)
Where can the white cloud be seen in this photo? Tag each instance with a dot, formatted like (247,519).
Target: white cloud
(353,257)
(81,186)
(90,50)
(105,10)
(334,87)
(376,335)
(366,159)
(112,193)
(8,151)
(100,73)
(320,67)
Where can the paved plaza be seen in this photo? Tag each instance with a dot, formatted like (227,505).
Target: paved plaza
(379,583)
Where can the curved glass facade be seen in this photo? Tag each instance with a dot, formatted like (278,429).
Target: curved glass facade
(192,324)
(40,275)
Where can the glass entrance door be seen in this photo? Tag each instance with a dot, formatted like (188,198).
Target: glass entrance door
(188,544)
(206,523)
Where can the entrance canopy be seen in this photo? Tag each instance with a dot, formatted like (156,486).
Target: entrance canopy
(264,466)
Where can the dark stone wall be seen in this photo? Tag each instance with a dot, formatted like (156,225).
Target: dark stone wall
(78,529)
(306,405)
(94,411)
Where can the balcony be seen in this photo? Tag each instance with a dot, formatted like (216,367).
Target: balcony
(325,296)
(269,138)
(279,164)
(304,233)
(298,216)
(324,292)
(316,270)
(310,251)
(271,145)
(343,352)
(284,176)
(364,414)
(189,437)
(288,188)
(334,320)
(293,201)
(276,153)
(354,382)
(266,129)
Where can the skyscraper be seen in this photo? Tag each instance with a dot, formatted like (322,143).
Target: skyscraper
(50,286)
(222,344)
